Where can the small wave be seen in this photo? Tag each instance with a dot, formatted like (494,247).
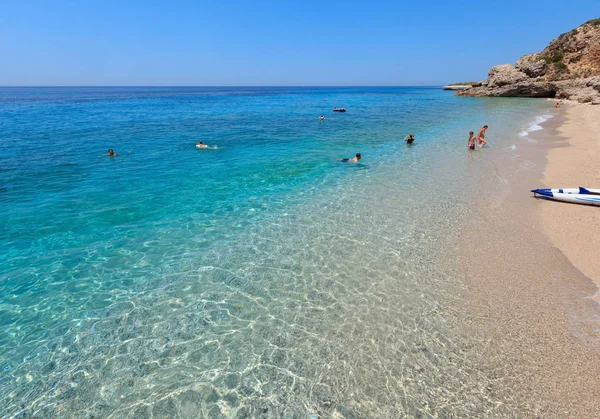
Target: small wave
(534,127)
(540,119)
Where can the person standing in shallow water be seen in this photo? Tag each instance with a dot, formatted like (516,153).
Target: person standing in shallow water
(409,138)
(481,136)
(471,143)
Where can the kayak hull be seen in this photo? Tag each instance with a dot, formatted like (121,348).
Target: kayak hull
(579,195)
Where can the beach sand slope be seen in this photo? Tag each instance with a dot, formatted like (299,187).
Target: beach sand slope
(523,259)
(575,229)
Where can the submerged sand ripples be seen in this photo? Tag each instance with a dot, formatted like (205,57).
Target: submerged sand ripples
(337,312)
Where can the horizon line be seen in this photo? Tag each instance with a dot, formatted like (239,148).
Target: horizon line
(221,86)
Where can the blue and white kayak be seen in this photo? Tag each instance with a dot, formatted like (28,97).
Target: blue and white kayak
(575,195)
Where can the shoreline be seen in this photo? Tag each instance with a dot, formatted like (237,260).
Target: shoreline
(530,307)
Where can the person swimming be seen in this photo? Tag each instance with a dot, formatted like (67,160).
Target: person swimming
(322,118)
(409,138)
(110,153)
(354,159)
(471,142)
(201,145)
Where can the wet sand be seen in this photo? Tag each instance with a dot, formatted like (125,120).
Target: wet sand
(531,309)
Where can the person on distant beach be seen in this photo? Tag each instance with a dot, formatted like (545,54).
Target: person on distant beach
(481,136)
(354,159)
(201,145)
(471,141)
(110,153)
(557,105)
(409,138)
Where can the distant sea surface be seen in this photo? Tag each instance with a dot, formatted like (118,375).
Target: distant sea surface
(262,278)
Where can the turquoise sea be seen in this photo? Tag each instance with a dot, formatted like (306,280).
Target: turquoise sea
(263,278)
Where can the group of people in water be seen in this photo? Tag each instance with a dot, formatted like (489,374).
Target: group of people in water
(474,140)
(479,139)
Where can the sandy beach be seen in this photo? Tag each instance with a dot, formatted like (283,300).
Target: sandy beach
(528,264)
(575,229)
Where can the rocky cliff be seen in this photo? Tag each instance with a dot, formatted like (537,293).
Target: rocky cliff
(568,68)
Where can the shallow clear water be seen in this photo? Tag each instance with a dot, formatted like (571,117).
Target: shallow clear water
(262,278)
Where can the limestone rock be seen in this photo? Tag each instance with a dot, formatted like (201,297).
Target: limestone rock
(581,90)
(533,65)
(568,68)
(504,74)
(457,87)
(522,89)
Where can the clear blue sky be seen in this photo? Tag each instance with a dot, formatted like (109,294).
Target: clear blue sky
(294,43)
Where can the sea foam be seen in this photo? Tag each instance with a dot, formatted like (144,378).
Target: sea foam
(535,126)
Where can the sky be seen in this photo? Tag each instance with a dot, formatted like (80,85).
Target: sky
(272,43)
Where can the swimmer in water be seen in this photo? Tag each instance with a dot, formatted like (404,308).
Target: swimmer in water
(322,118)
(409,138)
(201,145)
(354,159)
(110,153)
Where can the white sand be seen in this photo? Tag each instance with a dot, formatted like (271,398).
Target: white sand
(575,229)
(530,306)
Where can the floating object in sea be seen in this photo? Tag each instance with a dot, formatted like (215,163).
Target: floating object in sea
(574,195)
(339,109)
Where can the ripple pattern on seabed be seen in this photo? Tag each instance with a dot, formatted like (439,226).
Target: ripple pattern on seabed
(334,300)
(253,333)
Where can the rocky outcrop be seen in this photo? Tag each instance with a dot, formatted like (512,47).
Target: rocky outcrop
(582,90)
(568,68)
(505,74)
(532,65)
(457,87)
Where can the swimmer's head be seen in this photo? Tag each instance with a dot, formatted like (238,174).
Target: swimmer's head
(111,152)
(200,142)
(358,156)
(470,132)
